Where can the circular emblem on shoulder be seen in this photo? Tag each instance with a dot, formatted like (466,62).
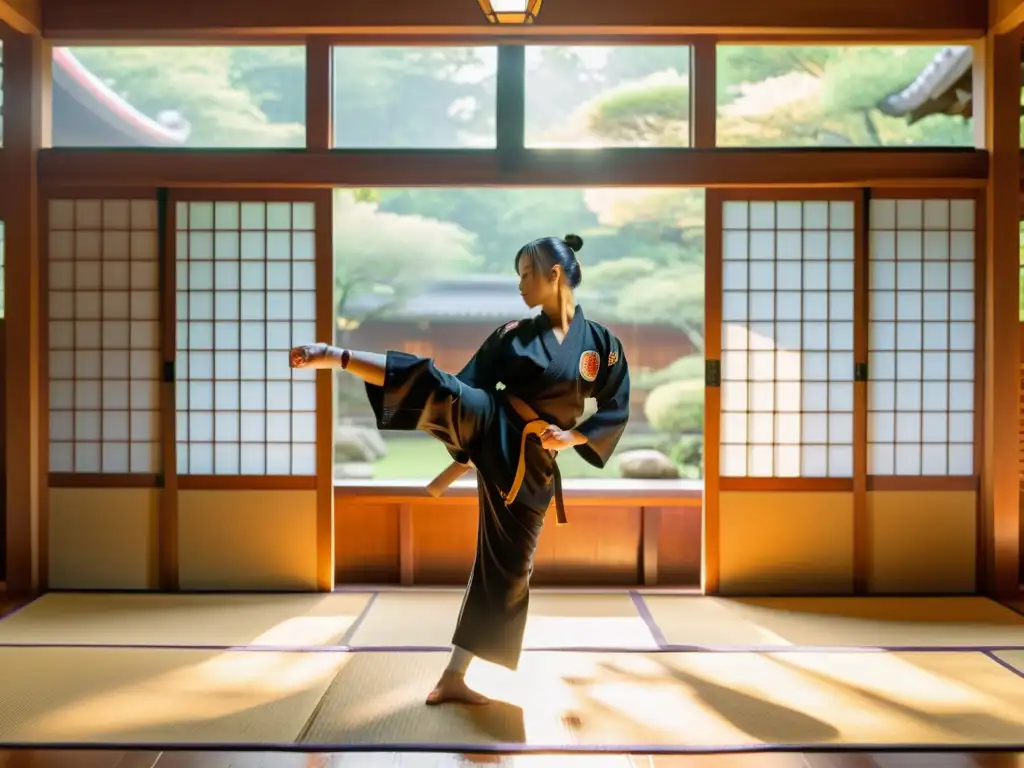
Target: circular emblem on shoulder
(509,327)
(590,364)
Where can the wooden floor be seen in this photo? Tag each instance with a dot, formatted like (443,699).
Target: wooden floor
(104,759)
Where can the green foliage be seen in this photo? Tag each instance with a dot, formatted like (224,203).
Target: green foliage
(688,454)
(737,64)
(655,115)
(503,219)
(415,96)
(388,256)
(676,408)
(689,368)
(858,80)
(801,96)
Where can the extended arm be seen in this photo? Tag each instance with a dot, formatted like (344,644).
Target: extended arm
(368,366)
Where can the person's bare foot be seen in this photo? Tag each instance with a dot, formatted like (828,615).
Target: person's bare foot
(452,688)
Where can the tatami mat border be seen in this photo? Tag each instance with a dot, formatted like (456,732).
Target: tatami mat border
(513,748)
(643,611)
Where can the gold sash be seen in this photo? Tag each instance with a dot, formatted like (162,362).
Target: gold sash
(534,426)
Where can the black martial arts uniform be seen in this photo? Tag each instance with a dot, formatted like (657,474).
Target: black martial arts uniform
(476,422)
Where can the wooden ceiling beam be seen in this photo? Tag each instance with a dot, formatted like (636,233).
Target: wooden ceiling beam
(547,168)
(69,20)
(22,16)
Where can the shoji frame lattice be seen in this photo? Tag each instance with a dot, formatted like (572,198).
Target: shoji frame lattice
(168,479)
(861,482)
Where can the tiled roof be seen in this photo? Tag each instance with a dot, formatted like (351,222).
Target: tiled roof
(479,297)
(91,93)
(942,87)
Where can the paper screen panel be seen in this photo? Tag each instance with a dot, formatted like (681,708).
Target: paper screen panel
(104,336)
(787,339)
(922,338)
(246,293)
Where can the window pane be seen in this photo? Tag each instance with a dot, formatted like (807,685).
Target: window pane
(597,96)
(848,96)
(414,97)
(173,96)
(430,272)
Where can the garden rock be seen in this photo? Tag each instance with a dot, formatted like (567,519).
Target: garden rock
(373,444)
(647,464)
(353,470)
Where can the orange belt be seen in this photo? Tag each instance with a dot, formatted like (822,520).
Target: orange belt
(534,426)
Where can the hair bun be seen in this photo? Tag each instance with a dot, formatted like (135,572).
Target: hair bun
(574,241)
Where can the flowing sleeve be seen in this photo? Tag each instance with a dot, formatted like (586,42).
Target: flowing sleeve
(483,371)
(604,428)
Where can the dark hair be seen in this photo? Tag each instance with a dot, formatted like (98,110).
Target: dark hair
(549,251)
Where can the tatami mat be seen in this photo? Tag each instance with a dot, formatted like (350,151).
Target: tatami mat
(131,696)
(680,701)
(1014,658)
(556,620)
(836,621)
(184,620)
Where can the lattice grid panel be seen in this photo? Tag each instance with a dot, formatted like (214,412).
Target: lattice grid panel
(922,337)
(104,336)
(246,293)
(787,339)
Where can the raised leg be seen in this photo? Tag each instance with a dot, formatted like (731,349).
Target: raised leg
(368,366)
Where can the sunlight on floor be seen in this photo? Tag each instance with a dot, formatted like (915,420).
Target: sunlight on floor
(224,685)
(927,682)
(185,619)
(588,632)
(306,631)
(736,698)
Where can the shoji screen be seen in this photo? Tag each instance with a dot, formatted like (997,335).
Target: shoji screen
(781,408)
(252,277)
(246,293)
(103,330)
(923,397)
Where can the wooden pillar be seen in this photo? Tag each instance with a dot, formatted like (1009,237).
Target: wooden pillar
(997,116)
(26,129)
(320,136)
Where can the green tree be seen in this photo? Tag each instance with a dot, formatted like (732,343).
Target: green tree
(503,219)
(655,113)
(659,274)
(426,97)
(738,64)
(381,259)
(812,96)
(253,96)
